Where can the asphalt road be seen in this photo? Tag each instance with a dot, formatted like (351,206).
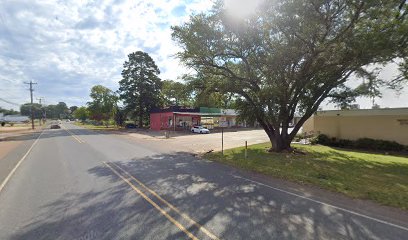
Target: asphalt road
(79,184)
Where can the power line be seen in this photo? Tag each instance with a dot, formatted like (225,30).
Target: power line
(12,103)
(31,106)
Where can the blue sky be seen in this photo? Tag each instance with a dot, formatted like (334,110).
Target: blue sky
(69,46)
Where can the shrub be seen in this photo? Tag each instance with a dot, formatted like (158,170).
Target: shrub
(323,139)
(345,143)
(298,137)
(361,143)
(373,144)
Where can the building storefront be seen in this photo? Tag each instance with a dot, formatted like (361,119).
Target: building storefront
(179,118)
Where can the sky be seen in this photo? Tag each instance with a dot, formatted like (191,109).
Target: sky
(67,47)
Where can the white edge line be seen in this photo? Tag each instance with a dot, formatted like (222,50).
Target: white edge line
(3,184)
(323,203)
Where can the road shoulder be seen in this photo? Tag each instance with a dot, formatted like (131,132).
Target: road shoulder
(12,149)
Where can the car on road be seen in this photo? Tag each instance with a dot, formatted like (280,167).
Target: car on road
(55,126)
(199,129)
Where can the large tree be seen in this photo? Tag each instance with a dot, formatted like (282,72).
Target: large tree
(103,103)
(176,93)
(140,85)
(288,56)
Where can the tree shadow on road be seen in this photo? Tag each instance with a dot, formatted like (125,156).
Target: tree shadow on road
(210,193)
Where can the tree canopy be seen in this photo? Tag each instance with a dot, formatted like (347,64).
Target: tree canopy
(288,56)
(103,103)
(25,110)
(140,86)
(176,93)
(8,111)
(81,113)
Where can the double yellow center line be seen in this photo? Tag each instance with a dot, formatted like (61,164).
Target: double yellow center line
(73,135)
(127,177)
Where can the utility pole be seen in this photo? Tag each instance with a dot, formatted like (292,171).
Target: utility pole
(31,106)
(42,110)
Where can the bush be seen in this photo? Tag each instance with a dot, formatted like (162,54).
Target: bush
(345,143)
(323,139)
(373,144)
(361,143)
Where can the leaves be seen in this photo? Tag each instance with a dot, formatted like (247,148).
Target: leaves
(140,87)
(289,56)
(103,103)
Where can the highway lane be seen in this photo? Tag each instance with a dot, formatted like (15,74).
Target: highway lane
(78,184)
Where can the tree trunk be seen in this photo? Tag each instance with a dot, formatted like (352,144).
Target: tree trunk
(141,113)
(280,143)
(140,120)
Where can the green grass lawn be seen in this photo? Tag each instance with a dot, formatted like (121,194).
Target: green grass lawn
(94,127)
(378,177)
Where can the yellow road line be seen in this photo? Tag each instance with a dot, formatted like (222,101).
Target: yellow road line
(161,210)
(73,135)
(203,229)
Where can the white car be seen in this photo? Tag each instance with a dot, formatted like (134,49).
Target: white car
(199,129)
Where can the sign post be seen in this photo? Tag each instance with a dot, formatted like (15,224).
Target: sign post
(223,123)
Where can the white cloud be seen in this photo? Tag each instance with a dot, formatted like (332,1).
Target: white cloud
(69,46)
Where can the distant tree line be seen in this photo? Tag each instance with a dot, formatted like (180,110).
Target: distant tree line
(8,111)
(58,111)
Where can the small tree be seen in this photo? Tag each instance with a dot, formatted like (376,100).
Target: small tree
(101,108)
(140,85)
(81,113)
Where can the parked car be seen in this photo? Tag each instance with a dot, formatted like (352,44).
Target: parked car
(130,125)
(199,129)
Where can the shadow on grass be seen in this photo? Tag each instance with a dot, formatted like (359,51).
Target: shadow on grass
(361,176)
(230,207)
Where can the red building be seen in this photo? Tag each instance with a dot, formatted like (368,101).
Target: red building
(179,118)
(183,117)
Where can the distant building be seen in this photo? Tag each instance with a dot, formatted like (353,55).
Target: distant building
(180,118)
(13,118)
(384,123)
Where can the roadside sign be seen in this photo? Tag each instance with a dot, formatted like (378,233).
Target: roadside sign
(223,122)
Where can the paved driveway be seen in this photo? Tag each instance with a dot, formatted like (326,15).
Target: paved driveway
(194,142)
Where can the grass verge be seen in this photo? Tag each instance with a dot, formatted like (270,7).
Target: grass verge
(95,127)
(378,177)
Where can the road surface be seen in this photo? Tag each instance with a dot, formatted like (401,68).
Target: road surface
(74,183)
